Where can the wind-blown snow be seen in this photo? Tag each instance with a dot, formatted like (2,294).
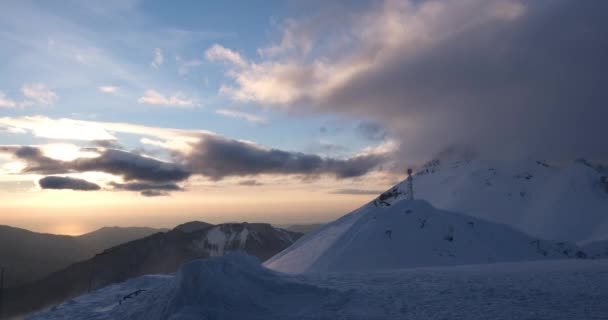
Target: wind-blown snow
(237,287)
(410,233)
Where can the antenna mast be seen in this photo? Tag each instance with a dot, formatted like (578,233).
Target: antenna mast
(410,185)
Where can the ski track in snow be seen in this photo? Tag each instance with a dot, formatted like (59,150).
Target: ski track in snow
(237,287)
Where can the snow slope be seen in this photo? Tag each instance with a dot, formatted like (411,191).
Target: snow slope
(410,233)
(237,287)
(566,202)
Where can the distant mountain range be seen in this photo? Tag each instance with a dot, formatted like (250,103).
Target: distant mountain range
(301,228)
(28,256)
(161,252)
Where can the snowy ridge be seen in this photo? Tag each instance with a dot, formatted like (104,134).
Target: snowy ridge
(410,234)
(561,202)
(218,240)
(312,245)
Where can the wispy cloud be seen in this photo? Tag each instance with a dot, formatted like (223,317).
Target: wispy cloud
(33,94)
(176,100)
(108,89)
(158,59)
(6,102)
(38,93)
(72,129)
(220,53)
(186,65)
(252,118)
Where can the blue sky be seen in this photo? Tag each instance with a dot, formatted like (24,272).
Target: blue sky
(74,49)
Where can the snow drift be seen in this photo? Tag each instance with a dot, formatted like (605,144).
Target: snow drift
(236,287)
(411,233)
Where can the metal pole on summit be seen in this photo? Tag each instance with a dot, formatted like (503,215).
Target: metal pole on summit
(410,185)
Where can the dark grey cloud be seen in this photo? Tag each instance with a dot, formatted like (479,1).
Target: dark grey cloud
(534,85)
(125,164)
(133,167)
(218,157)
(154,193)
(511,78)
(250,183)
(143,186)
(109,144)
(54,182)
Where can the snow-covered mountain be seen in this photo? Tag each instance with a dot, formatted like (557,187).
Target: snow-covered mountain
(159,253)
(393,233)
(567,201)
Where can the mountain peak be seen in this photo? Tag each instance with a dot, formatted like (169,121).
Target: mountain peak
(410,233)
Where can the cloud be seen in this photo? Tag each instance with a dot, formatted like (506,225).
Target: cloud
(242,115)
(156,98)
(220,53)
(371,131)
(33,94)
(6,102)
(154,193)
(194,152)
(108,144)
(38,93)
(147,189)
(72,129)
(131,167)
(250,183)
(218,157)
(108,89)
(53,182)
(44,127)
(141,186)
(158,59)
(512,78)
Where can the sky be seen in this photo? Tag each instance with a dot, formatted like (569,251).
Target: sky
(154,113)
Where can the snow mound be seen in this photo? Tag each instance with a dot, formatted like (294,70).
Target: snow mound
(234,286)
(411,233)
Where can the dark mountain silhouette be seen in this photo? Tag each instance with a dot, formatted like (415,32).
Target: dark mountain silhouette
(28,256)
(193,226)
(304,228)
